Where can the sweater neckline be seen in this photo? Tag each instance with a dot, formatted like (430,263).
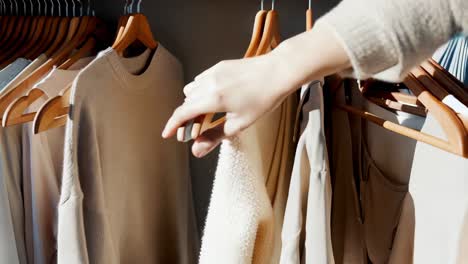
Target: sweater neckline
(136,81)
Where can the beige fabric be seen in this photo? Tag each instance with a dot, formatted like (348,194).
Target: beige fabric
(12,236)
(385,39)
(439,186)
(373,216)
(306,235)
(247,205)
(126,192)
(12,244)
(42,171)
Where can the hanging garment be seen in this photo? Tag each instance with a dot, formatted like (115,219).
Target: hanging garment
(12,197)
(372,215)
(36,63)
(439,187)
(126,193)
(306,235)
(12,236)
(11,71)
(42,171)
(12,247)
(246,211)
(10,200)
(453,56)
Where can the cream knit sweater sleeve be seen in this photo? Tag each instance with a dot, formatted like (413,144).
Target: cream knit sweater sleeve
(385,38)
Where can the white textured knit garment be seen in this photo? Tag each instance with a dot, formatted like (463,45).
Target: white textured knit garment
(306,234)
(126,192)
(385,39)
(42,171)
(250,189)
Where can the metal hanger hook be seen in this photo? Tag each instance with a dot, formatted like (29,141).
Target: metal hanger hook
(262,5)
(66,8)
(88,7)
(272,4)
(310,4)
(80,7)
(59,8)
(130,7)
(139,6)
(52,7)
(24,7)
(73,8)
(16,7)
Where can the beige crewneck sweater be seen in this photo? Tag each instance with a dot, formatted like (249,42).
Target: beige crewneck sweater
(126,192)
(385,39)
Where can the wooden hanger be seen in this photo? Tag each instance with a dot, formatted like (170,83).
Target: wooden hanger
(256,34)
(196,127)
(137,29)
(454,130)
(15,113)
(10,28)
(7,98)
(269,40)
(54,112)
(3,24)
(309,18)
(436,89)
(9,53)
(122,23)
(18,29)
(45,40)
(25,42)
(60,34)
(84,51)
(271,34)
(378,93)
(35,37)
(447,80)
(432,86)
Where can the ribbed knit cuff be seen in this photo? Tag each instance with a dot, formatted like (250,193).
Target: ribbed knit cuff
(362,34)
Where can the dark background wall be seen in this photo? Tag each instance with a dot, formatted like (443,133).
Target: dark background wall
(203,32)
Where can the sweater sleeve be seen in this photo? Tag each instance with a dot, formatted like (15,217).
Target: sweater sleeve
(385,39)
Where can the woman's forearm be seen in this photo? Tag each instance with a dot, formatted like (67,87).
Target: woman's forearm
(310,56)
(385,39)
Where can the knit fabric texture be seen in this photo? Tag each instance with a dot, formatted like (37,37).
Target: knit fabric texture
(385,39)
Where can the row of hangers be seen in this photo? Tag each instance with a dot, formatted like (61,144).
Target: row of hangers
(58,37)
(265,37)
(70,40)
(429,83)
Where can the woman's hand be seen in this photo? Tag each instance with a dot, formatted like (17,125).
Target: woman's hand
(246,89)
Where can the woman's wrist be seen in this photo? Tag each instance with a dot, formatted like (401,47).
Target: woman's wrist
(309,56)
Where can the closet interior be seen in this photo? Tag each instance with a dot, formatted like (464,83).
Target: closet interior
(343,171)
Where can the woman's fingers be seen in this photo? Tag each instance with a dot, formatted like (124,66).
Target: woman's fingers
(205,143)
(189,110)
